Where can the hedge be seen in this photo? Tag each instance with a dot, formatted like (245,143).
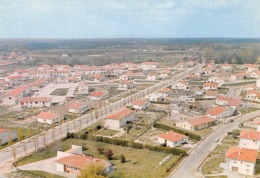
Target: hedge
(166,127)
(121,142)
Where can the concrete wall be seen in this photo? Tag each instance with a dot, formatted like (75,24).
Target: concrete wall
(243,167)
(248,143)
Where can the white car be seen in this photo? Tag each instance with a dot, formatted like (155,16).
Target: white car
(216,140)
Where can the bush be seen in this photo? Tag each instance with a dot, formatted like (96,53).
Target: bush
(166,127)
(122,158)
(101,150)
(109,154)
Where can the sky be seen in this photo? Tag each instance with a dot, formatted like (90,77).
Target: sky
(129,18)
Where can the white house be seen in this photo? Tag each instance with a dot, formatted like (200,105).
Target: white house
(187,99)
(140,104)
(78,107)
(172,139)
(181,86)
(49,117)
(6,134)
(226,67)
(250,139)
(120,119)
(253,95)
(220,112)
(30,102)
(210,86)
(155,97)
(196,123)
(232,102)
(151,77)
(73,161)
(99,95)
(125,85)
(149,65)
(217,80)
(241,160)
(99,78)
(11,98)
(237,76)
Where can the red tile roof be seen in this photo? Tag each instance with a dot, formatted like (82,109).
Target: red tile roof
(216,111)
(47,115)
(76,105)
(250,134)
(121,114)
(97,93)
(200,120)
(18,91)
(80,161)
(242,154)
(139,102)
(210,84)
(33,99)
(172,136)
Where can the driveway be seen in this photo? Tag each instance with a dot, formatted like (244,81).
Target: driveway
(46,165)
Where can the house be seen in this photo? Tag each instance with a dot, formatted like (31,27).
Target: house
(210,86)
(99,78)
(251,67)
(217,80)
(165,92)
(253,95)
(140,104)
(73,161)
(220,112)
(99,95)
(83,88)
(151,77)
(187,99)
(250,139)
(241,160)
(238,76)
(11,98)
(149,65)
(210,94)
(78,107)
(155,97)
(180,86)
(125,85)
(49,117)
(6,135)
(30,102)
(120,119)
(196,123)
(255,75)
(226,67)
(126,76)
(232,102)
(172,139)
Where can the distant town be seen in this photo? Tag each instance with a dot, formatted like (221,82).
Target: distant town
(128,109)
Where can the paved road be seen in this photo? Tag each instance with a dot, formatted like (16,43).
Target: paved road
(187,168)
(41,140)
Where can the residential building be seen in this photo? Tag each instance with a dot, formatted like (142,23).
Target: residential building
(232,102)
(149,65)
(238,76)
(99,95)
(253,95)
(151,77)
(210,86)
(172,139)
(78,107)
(11,98)
(125,85)
(99,78)
(241,160)
(83,88)
(140,104)
(180,86)
(220,112)
(250,139)
(49,117)
(30,102)
(196,123)
(120,119)
(155,97)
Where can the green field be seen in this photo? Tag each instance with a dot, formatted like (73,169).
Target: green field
(60,92)
(139,163)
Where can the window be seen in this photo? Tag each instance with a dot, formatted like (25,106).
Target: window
(10,98)
(247,165)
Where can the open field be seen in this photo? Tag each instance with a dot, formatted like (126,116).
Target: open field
(60,92)
(248,110)
(136,160)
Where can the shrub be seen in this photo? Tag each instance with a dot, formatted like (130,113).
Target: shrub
(101,150)
(109,154)
(122,158)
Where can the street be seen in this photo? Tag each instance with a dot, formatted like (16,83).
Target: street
(199,154)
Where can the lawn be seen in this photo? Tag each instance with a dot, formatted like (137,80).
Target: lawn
(203,132)
(248,110)
(107,132)
(238,83)
(211,165)
(33,174)
(60,92)
(136,160)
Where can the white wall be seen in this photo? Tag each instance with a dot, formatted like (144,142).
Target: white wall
(248,143)
(243,167)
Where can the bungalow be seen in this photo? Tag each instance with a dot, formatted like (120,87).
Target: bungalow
(125,85)
(149,65)
(83,88)
(99,78)
(99,95)
(126,76)
(238,76)
(6,135)
(49,117)
(187,99)
(196,123)
(251,67)
(226,67)
(165,91)
(78,107)
(253,95)
(241,160)
(220,112)
(217,80)
(232,102)
(151,77)
(180,86)
(140,104)
(155,97)
(120,119)
(255,74)
(12,97)
(30,102)
(250,139)
(210,94)
(210,86)
(172,139)
(73,161)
